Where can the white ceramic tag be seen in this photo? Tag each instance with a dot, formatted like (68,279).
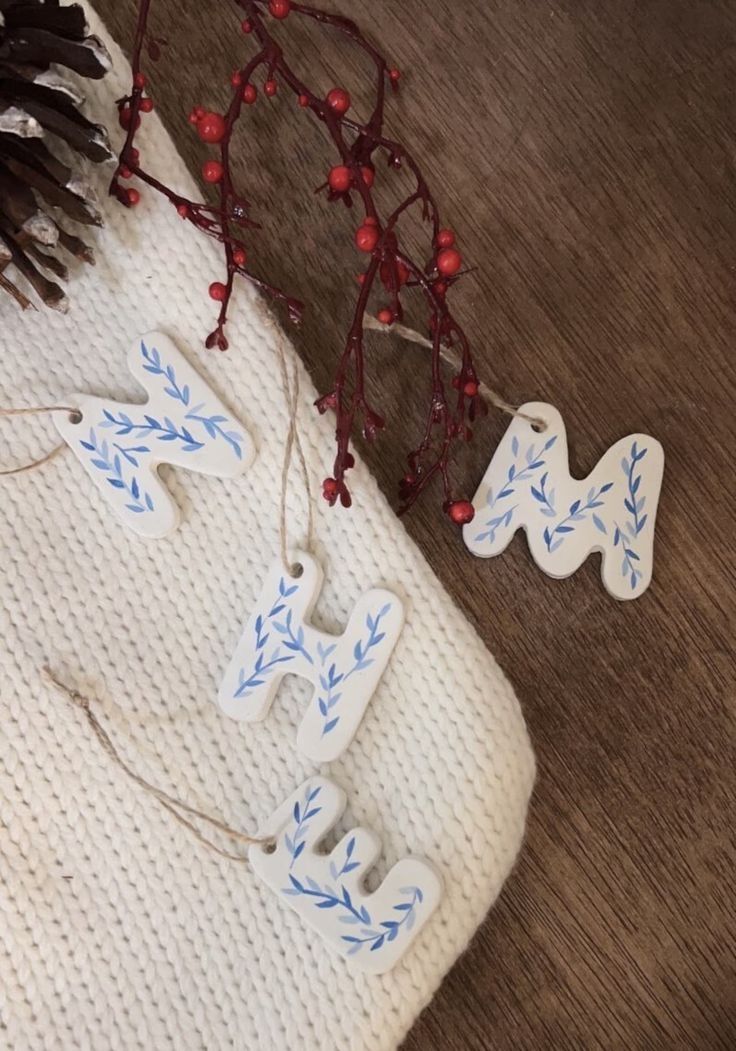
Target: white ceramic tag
(528,486)
(279,640)
(182,423)
(373,930)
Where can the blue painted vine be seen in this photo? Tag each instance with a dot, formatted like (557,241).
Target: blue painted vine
(625,536)
(520,471)
(120,465)
(371,935)
(292,642)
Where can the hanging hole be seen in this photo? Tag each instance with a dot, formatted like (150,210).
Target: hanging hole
(269,848)
(539,426)
(75,416)
(297,570)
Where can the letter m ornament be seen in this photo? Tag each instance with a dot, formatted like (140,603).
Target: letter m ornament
(528,486)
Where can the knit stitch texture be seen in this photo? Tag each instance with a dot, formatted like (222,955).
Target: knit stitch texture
(118,929)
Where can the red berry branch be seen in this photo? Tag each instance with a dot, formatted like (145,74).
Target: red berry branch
(389,266)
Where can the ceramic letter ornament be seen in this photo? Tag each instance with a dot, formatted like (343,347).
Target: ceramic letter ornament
(326,890)
(279,640)
(528,486)
(182,423)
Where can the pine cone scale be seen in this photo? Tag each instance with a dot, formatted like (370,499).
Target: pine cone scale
(38,190)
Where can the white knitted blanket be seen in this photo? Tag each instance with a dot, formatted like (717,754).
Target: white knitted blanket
(117,928)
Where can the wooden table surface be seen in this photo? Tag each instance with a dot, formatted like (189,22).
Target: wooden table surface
(586,155)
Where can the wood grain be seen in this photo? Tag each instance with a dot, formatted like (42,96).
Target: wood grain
(585,153)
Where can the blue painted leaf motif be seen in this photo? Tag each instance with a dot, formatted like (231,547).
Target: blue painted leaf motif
(515,446)
(599,524)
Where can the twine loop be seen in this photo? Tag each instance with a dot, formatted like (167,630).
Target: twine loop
(39,410)
(446,354)
(170,803)
(290,386)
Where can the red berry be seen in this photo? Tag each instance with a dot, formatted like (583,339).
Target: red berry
(211,127)
(279,8)
(235,78)
(394,75)
(146,105)
(440,288)
(218,291)
(246,25)
(270,87)
(124,118)
(183,210)
(385,316)
(304,101)
(369,176)
(339,101)
(135,155)
(133,197)
(449,261)
(339,178)
(125,173)
(445,239)
(140,81)
(370,220)
(193,117)
(212,171)
(330,489)
(250,94)
(327,401)
(239,257)
(366,238)
(461,512)
(360,278)
(470,389)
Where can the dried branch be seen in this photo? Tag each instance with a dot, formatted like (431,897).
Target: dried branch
(358,146)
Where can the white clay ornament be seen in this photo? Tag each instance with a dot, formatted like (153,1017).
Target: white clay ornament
(373,930)
(279,640)
(183,423)
(528,486)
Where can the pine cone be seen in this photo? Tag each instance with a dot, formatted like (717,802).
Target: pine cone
(37,104)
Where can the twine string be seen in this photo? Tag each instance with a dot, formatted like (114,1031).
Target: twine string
(170,803)
(39,410)
(290,386)
(452,359)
